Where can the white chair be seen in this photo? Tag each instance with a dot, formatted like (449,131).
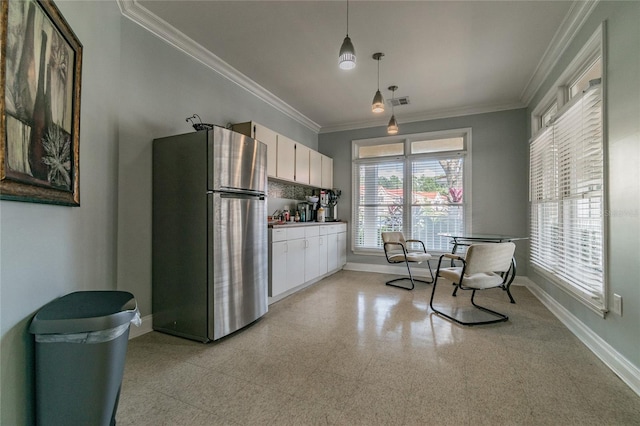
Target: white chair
(484,266)
(396,251)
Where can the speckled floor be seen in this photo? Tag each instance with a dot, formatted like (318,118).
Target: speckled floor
(351,351)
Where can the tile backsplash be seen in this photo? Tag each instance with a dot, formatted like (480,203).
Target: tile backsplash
(285,194)
(288,191)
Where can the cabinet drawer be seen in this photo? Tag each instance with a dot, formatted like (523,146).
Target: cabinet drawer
(278,235)
(322,230)
(333,229)
(295,233)
(342,227)
(311,231)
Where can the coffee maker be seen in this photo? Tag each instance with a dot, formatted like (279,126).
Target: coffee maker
(331,201)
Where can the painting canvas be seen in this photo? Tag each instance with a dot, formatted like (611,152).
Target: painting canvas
(41,64)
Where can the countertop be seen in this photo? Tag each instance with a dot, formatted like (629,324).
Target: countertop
(297,224)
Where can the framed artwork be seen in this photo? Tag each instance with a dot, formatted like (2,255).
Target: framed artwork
(40,70)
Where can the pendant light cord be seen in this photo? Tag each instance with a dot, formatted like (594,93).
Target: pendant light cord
(378,74)
(347,18)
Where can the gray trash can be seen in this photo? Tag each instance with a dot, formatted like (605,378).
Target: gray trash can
(81,343)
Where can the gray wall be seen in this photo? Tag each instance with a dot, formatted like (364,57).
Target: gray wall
(499,192)
(135,87)
(623,135)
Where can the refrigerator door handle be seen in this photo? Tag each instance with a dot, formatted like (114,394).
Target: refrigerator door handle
(239,194)
(228,191)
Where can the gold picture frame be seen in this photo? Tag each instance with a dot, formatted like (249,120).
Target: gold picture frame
(40,79)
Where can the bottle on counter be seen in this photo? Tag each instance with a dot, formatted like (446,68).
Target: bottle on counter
(297,218)
(320,214)
(285,214)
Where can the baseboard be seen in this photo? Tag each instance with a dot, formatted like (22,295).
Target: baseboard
(622,367)
(145,327)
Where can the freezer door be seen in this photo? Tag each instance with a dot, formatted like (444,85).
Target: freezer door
(238,268)
(236,162)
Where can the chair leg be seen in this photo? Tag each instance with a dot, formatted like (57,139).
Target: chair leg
(511,273)
(501,317)
(390,283)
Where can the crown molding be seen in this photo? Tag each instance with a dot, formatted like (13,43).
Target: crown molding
(571,24)
(143,17)
(412,118)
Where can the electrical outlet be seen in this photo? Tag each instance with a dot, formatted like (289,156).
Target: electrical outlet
(617,304)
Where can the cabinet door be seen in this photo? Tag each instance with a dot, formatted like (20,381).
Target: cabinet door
(332,252)
(342,249)
(278,277)
(327,172)
(295,263)
(270,138)
(302,163)
(315,169)
(322,255)
(311,254)
(286,158)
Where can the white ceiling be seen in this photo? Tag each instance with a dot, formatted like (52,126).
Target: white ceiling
(449,57)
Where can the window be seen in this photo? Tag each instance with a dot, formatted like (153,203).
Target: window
(414,184)
(548,114)
(567,192)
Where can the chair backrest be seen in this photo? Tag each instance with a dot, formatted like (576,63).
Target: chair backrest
(393,237)
(489,257)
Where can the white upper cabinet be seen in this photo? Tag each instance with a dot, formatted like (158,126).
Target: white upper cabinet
(270,138)
(327,172)
(264,135)
(315,169)
(302,163)
(286,158)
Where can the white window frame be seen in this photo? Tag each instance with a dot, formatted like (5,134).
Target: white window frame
(407,157)
(594,48)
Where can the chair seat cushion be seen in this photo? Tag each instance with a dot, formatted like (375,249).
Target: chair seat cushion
(417,257)
(479,281)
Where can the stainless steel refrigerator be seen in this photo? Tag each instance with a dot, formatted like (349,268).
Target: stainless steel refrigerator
(209,233)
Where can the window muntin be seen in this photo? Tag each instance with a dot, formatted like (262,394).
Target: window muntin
(420,195)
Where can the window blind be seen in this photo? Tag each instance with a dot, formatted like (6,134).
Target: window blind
(567,201)
(379,201)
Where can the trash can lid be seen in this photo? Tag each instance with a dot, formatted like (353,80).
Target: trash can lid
(84,311)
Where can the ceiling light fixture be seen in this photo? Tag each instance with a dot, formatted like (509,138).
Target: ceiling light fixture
(347,58)
(392,128)
(378,102)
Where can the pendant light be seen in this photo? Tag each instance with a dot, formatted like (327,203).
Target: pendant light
(347,57)
(378,102)
(392,128)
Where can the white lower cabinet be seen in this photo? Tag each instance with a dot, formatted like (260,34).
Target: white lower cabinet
(311,253)
(298,255)
(342,247)
(323,266)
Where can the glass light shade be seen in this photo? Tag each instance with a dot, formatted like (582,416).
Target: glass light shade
(378,103)
(347,58)
(392,128)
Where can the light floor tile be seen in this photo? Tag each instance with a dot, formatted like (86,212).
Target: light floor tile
(351,351)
